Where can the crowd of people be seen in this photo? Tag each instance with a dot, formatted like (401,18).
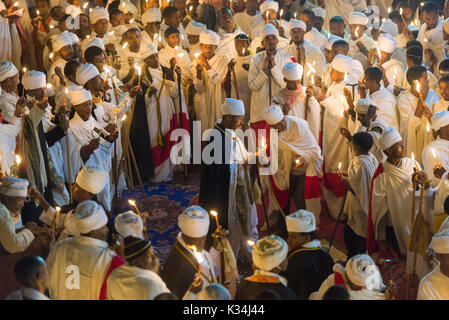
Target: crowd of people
(318,107)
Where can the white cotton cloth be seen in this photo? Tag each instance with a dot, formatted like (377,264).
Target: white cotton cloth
(148,49)
(97,14)
(78,95)
(389,137)
(386,43)
(194,222)
(195,28)
(89,216)
(86,72)
(440,119)
(363,105)
(301,221)
(331,40)
(269,252)
(7,70)
(358,18)
(359,268)
(267,30)
(209,37)
(96,42)
(151,15)
(292,71)
(233,107)
(74,38)
(273,115)
(342,63)
(129,224)
(434,286)
(388,26)
(294,23)
(440,242)
(268,4)
(319,12)
(34,80)
(62,40)
(14,187)
(91,180)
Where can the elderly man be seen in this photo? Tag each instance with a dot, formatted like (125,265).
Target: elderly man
(269,259)
(360,43)
(392,69)
(308,263)
(139,280)
(79,266)
(151,20)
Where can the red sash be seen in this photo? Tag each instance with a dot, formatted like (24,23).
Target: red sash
(116,262)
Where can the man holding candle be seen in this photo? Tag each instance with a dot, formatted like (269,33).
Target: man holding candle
(392,69)
(227,31)
(151,20)
(172,18)
(193,31)
(360,43)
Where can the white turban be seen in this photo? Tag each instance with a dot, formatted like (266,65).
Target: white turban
(374,9)
(92,180)
(301,221)
(358,18)
(269,4)
(233,107)
(269,252)
(446,25)
(209,37)
(267,30)
(89,216)
(96,42)
(151,15)
(129,224)
(363,105)
(389,137)
(74,38)
(342,63)
(273,115)
(386,42)
(14,187)
(59,42)
(359,268)
(214,291)
(440,242)
(78,95)
(319,12)
(7,70)
(86,72)
(97,14)
(292,71)
(330,42)
(148,49)
(413,28)
(195,28)
(194,222)
(34,80)
(388,26)
(440,119)
(294,23)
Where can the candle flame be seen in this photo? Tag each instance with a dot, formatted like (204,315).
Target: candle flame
(191,8)
(262,141)
(58,209)
(85,5)
(49,86)
(182,37)
(37,12)
(88,36)
(24,69)
(176,48)
(66,90)
(433,154)
(357,31)
(132,202)
(197,55)
(111,33)
(389,9)
(346,77)
(251,243)
(131,21)
(197,255)
(125,45)
(281,13)
(339,166)
(180,54)
(401,11)
(413,156)
(51,55)
(418,86)
(138,69)
(243,51)
(297,161)
(155,37)
(214,213)
(51,26)
(123,118)
(123,4)
(90,10)
(294,16)
(16,4)
(378,54)
(18,159)
(313,80)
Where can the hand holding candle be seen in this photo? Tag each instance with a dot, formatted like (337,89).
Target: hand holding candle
(251,243)
(133,203)
(139,72)
(198,256)
(215,214)
(55,219)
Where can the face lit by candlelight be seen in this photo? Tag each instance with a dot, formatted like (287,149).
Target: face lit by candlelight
(84,110)
(241,46)
(37,94)
(208,50)
(443,87)
(297,35)
(173,40)
(396,151)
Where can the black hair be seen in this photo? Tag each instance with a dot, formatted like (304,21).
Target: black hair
(413,43)
(414,73)
(70,67)
(312,234)
(53,9)
(168,11)
(241,36)
(429,7)
(395,15)
(444,78)
(415,54)
(115,12)
(308,12)
(166,296)
(92,52)
(341,43)
(374,73)
(267,294)
(336,292)
(64,18)
(27,269)
(169,31)
(337,19)
(444,66)
(363,140)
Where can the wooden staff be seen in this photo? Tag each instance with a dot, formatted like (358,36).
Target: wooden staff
(234,79)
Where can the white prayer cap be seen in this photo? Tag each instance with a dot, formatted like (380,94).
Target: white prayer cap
(7,70)
(342,63)
(96,42)
(148,50)
(97,14)
(267,30)
(440,119)
(292,71)
(388,26)
(358,18)
(330,42)
(34,80)
(194,222)
(269,252)
(413,28)
(89,216)
(214,291)
(363,105)
(301,221)
(62,40)
(92,180)
(440,242)
(319,12)
(273,115)
(14,187)
(151,15)
(129,224)
(86,72)
(359,268)
(386,42)
(446,25)
(233,107)
(209,37)
(294,23)
(74,38)
(269,4)
(389,137)
(78,95)
(195,28)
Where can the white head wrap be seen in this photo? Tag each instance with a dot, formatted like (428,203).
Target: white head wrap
(34,80)
(440,242)
(96,42)
(233,107)
(389,137)
(331,41)
(148,50)
(78,95)
(92,180)
(358,18)
(14,187)
(386,43)
(62,40)
(342,63)
(363,105)
(89,216)
(7,70)
(195,28)
(273,115)
(269,252)
(209,37)
(440,119)
(292,71)
(267,30)
(388,26)
(413,28)
(301,221)
(97,14)
(374,9)
(194,222)
(86,72)
(214,291)
(129,224)
(446,25)
(319,12)
(359,268)
(151,15)
(294,23)
(269,4)
(74,38)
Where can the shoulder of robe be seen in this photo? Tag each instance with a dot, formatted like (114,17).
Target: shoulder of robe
(377,129)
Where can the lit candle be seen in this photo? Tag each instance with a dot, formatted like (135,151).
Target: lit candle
(123,118)
(107,74)
(18,160)
(251,243)
(16,4)
(51,57)
(125,45)
(198,256)
(196,56)
(418,89)
(346,77)
(24,75)
(294,16)
(281,13)
(215,214)
(428,127)
(190,10)
(262,141)
(37,13)
(339,166)
(389,9)
(357,32)
(139,72)
(379,56)
(243,51)
(298,162)
(85,5)
(133,203)
(65,96)
(53,225)
(267,17)
(413,158)
(131,21)
(48,89)
(154,39)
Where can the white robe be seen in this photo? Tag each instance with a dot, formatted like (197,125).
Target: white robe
(11,240)
(257,42)
(434,286)
(182,32)
(28,293)
(394,70)
(55,81)
(241,76)
(434,41)
(251,25)
(354,51)
(317,38)
(167,53)
(433,82)
(227,46)
(8,134)
(386,107)
(441,149)
(128,59)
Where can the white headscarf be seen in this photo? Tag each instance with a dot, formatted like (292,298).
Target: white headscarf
(209,37)
(292,71)
(386,43)
(440,242)
(301,221)
(195,28)
(91,180)
(7,70)
(294,23)
(269,252)
(267,30)
(129,224)
(14,187)
(97,14)
(358,18)
(440,119)
(363,105)
(273,115)
(233,107)
(89,216)
(194,222)
(389,137)
(78,95)
(86,72)
(34,80)
(359,268)
(148,49)
(151,15)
